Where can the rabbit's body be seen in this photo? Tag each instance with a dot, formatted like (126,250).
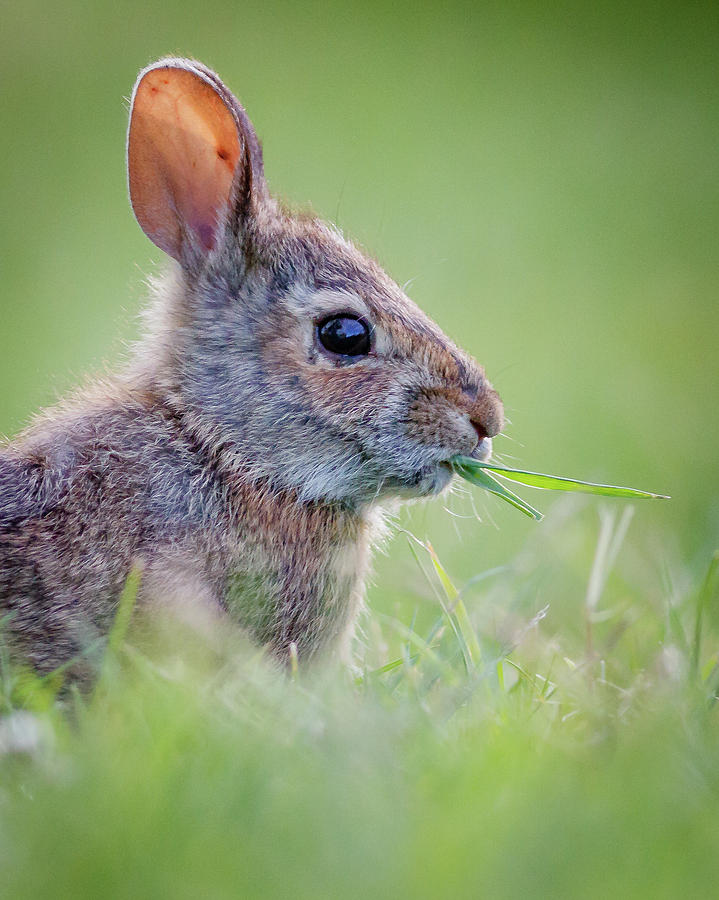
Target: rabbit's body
(285,392)
(90,493)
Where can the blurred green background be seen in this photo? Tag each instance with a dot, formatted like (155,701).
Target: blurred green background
(543,174)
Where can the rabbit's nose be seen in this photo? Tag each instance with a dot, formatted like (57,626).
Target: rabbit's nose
(479,428)
(483,450)
(486,414)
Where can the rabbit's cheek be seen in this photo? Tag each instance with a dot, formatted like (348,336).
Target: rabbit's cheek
(351,392)
(438,480)
(438,423)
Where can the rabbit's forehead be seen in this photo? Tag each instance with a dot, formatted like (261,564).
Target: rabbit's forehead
(303,301)
(397,322)
(339,279)
(383,305)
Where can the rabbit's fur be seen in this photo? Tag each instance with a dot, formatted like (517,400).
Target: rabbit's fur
(244,468)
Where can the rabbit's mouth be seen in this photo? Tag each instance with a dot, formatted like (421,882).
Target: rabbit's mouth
(426,482)
(483,450)
(433,479)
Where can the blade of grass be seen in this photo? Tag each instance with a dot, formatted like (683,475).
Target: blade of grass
(294,661)
(551,482)
(124,610)
(482,478)
(523,675)
(116,638)
(703,599)
(450,618)
(597,576)
(437,629)
(390,666)
(456,605)
(422,647)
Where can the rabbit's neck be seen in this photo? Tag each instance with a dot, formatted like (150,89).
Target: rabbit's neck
(295,570)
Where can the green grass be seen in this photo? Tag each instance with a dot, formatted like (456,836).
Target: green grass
(483,474)
(547,729)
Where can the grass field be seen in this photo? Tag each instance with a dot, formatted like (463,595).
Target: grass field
(563,751)
(545,177)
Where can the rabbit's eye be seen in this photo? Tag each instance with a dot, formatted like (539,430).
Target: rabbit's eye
(344,335)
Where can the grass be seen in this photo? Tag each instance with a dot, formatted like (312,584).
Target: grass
(483,474)
(547,729)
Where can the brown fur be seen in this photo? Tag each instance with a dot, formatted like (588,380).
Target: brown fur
(244,468)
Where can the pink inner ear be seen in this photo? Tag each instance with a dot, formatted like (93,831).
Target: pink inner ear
(182,153)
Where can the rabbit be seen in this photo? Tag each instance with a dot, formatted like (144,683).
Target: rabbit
(284,397)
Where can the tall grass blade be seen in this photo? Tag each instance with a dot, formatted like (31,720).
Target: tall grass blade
(118,632)
(124,610)
(478,475)
(457,607)
(551,482)
(703,599)
(440,599)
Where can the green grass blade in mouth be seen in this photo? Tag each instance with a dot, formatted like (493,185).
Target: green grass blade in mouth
(463,464)
(478,475)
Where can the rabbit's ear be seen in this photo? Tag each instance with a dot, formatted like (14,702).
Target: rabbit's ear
(192,157)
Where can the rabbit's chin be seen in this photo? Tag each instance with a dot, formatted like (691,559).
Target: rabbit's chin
(427,482)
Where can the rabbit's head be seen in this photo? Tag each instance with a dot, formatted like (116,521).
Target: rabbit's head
(299,355)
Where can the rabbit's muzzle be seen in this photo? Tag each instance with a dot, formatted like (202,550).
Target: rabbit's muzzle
(483,450)
(448,418)
(444,421)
